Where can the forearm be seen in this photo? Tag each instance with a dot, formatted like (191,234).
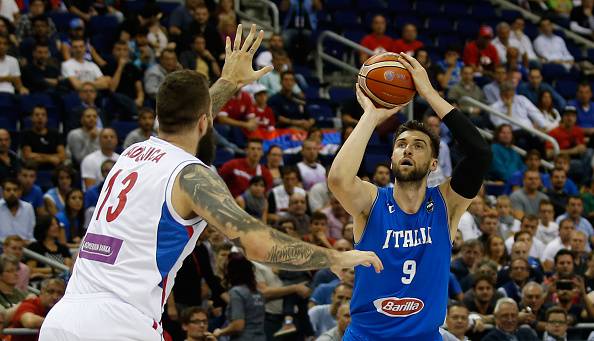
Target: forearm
(273,293)
(234,327)
(30,320)
(115,80)
(220,93)
(438,104)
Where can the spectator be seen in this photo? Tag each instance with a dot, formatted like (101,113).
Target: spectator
(276,46)
(31,312)
(381,176)
(126,79)
(90,167)
(482,301)
(323,317)
(545,105)
(274,162)
(273,80)
(41,34)
(534,88)
(522,248)
(245,311)
(297,212)
(10,295)
(40,75)
(195,323)
(287,107)
(493,89)
(582,21)
(489,227)
(506,160)
(532,162)
(84,140)
(323,293)
(409,43)
(517,35)
(7,30)
(564,266)
(77,32)
(11,73)
(10,162)
(472,252)
(78,70)
(527,199)
(40,144)
(532,306)
(326,275)
(312,172)
(377,41)
(318,195)
(550,47)
(198,58)
(253,200)
(469,221)
(556,323)
(48,233)
(508,224)
(444,164)
(146,124)
(570,138)
(521,109)
(519,274)
(155,75)
(238,172)
(506,323)
(181,18)
(87,96)
(569,291)
(10,11)
(457,321)
(31,193)
(563,241)
(558,194)
(343,318)
(278,198)
(578,247)
(560,8)
(13,247)
(587,198)
(235,114)
(480,53)
(71,219)
(585,108)
(16,216)
(547,227)
(495,250)
(529,225)
(337,217)
(23,28)
(574,210)
(467,87)
(55,198)
(503,43)
(261,112)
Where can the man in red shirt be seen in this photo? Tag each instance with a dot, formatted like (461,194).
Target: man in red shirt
(569,136)
(261,112)
(235,113)
(408,43)
(481,54)
(31,312)
(237,172)
(377,40)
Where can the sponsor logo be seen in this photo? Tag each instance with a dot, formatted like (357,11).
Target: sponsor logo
(398,307)
(389,75)
(430,205)
(391,208)
(100,248)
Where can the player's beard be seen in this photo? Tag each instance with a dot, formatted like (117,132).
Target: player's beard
(207,147)
(416,176)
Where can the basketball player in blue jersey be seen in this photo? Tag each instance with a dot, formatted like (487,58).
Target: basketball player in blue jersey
(410,227)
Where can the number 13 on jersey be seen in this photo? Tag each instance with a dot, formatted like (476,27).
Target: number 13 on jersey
(128,182)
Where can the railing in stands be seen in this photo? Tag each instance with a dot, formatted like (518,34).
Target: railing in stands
(531,130)
(274,27)
(322,57)
(20,331)
(45,260)
(535,18)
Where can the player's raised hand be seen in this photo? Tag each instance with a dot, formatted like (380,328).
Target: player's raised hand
(418,72)
(238,58)
(352,258)
(380,114)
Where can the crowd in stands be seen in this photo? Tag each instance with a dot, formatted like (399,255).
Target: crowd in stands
(78,85)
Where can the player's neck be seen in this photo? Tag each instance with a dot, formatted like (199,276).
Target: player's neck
(187,142)
(409,195)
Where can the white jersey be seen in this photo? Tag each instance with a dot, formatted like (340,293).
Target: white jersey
(136,242)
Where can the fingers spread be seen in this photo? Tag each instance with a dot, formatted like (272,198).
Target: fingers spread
(249,39)
(238,34)
(227,47)
(263,71)
(257,43)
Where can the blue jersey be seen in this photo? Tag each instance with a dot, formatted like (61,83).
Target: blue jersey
(408,299)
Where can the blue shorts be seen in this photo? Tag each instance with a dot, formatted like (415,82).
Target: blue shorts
(351,335)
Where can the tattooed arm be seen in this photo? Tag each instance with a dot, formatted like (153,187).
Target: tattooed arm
(220,93)
(209,197)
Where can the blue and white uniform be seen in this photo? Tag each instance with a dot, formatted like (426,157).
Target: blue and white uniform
(134,246)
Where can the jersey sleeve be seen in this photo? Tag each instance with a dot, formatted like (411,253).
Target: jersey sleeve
(236,305)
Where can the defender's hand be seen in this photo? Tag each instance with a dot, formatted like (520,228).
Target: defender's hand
(238,59)
(380,114)
(419,74)
(352,258)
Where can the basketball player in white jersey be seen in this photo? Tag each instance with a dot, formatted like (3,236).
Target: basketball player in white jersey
(156,201)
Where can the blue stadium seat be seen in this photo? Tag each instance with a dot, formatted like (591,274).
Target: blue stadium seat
(509,15)
(354,35)
(590,54)
(167,7)
(10,112)
(337,5)
(428,8)
(400,7)
(446,40)
(44,179)
(438,25)
(551,71)
(339,95)
(322,112)
(455,10)
(531,30)
(346,19)
(222,156)
(133,6)
(483,11)
(371,5)
(122,128)
(576,52)
(62,20)
(104,24)
(371,160)
(468,27)
(312,92)
(42,99)
(566,88)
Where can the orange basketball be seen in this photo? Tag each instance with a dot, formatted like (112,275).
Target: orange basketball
(386,81)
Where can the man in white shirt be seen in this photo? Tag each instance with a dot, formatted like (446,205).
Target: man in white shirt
(518,107)
(517,35)
(78,70)
(566,227)
(550,47)
(90,167)
(278,198)
(526,234)
(312,172)
(276,45)
(574,210)
(343,318)
(548,229)
(492,90)
(17,217)
(444,164)
(469,222)
(323,316)
(503,41)
(10,73)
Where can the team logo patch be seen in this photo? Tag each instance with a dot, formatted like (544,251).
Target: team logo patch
(430,205)
(398,307)
(389,75)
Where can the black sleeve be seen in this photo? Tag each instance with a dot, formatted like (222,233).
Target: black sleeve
(271,203)
(468,175)
(211,280)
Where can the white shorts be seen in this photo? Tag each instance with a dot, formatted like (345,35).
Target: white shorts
(97,317)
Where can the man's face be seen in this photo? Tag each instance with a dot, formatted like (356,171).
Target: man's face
(39,118)
(146,121)
(519,271)
(507,318)
(518,24)
(533,162)
(575,207)
(470,255)
(51,295)
(530,226)
(500,75)
(508,95)
(557,325)
(4,141)
(434,124)
(343,317)
(411,158)
(565,229)
(89,118)
(88,94)
(14,248)
(199,44)
(342,245)
(558,179)
(409,33)
(201,15)
(505,136)
(254,152)
(41,55)
(108,140)
(503,32)
(483,291)
(457,320)
(121,51)
(378,24)
(533,297)
(78,49)
(319,225)
(584,94)
(381,177)
(197,326)
(297,205)
(288,82)
(40,28)
(546,27)
(341,295)
(467,75)
(531,180)
(169,61)
(520,250)
(489,225)
(546,213)
(27,178)
(564,265)
(348,276)
(309,151)
(569,119)
(290,180)
(12,193)
(36,8)
(578,241)
(535,78)
(504,207)
(10,275)
(276,42)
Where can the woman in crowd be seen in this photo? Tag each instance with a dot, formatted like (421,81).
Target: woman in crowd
(253,200)
(506,161)
(245,311)
(545,105)
(495,251)
(274,162)
(55,198)
(9,294)
(72,218)
(47,233)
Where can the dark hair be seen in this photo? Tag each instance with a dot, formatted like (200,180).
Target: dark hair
(379,165)
(519,233)
(575,197)
(257,179)
(240,271)
(290,169)
(41,43)
(222,247)
(288,72)
(419,126)
(272,147)
(167,50)
(254,140)
(42,226)
(62,168)
(545,202)
(121,42)
(558,169)
(543,19)
(13,181)
(181,100)
(187,313)
(76,219)
(482,277)
(41,17)
(555,310)
(498,130)
(456,304)
(584,84)
(563,252)
(530,217)
(317,215)
(28,165)
(471,243)
(77,39)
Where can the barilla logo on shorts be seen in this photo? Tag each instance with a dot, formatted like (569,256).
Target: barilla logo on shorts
(398,307)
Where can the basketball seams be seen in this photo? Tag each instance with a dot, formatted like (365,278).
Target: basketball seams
(370,93)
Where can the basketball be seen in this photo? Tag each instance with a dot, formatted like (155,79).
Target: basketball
(386,81)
